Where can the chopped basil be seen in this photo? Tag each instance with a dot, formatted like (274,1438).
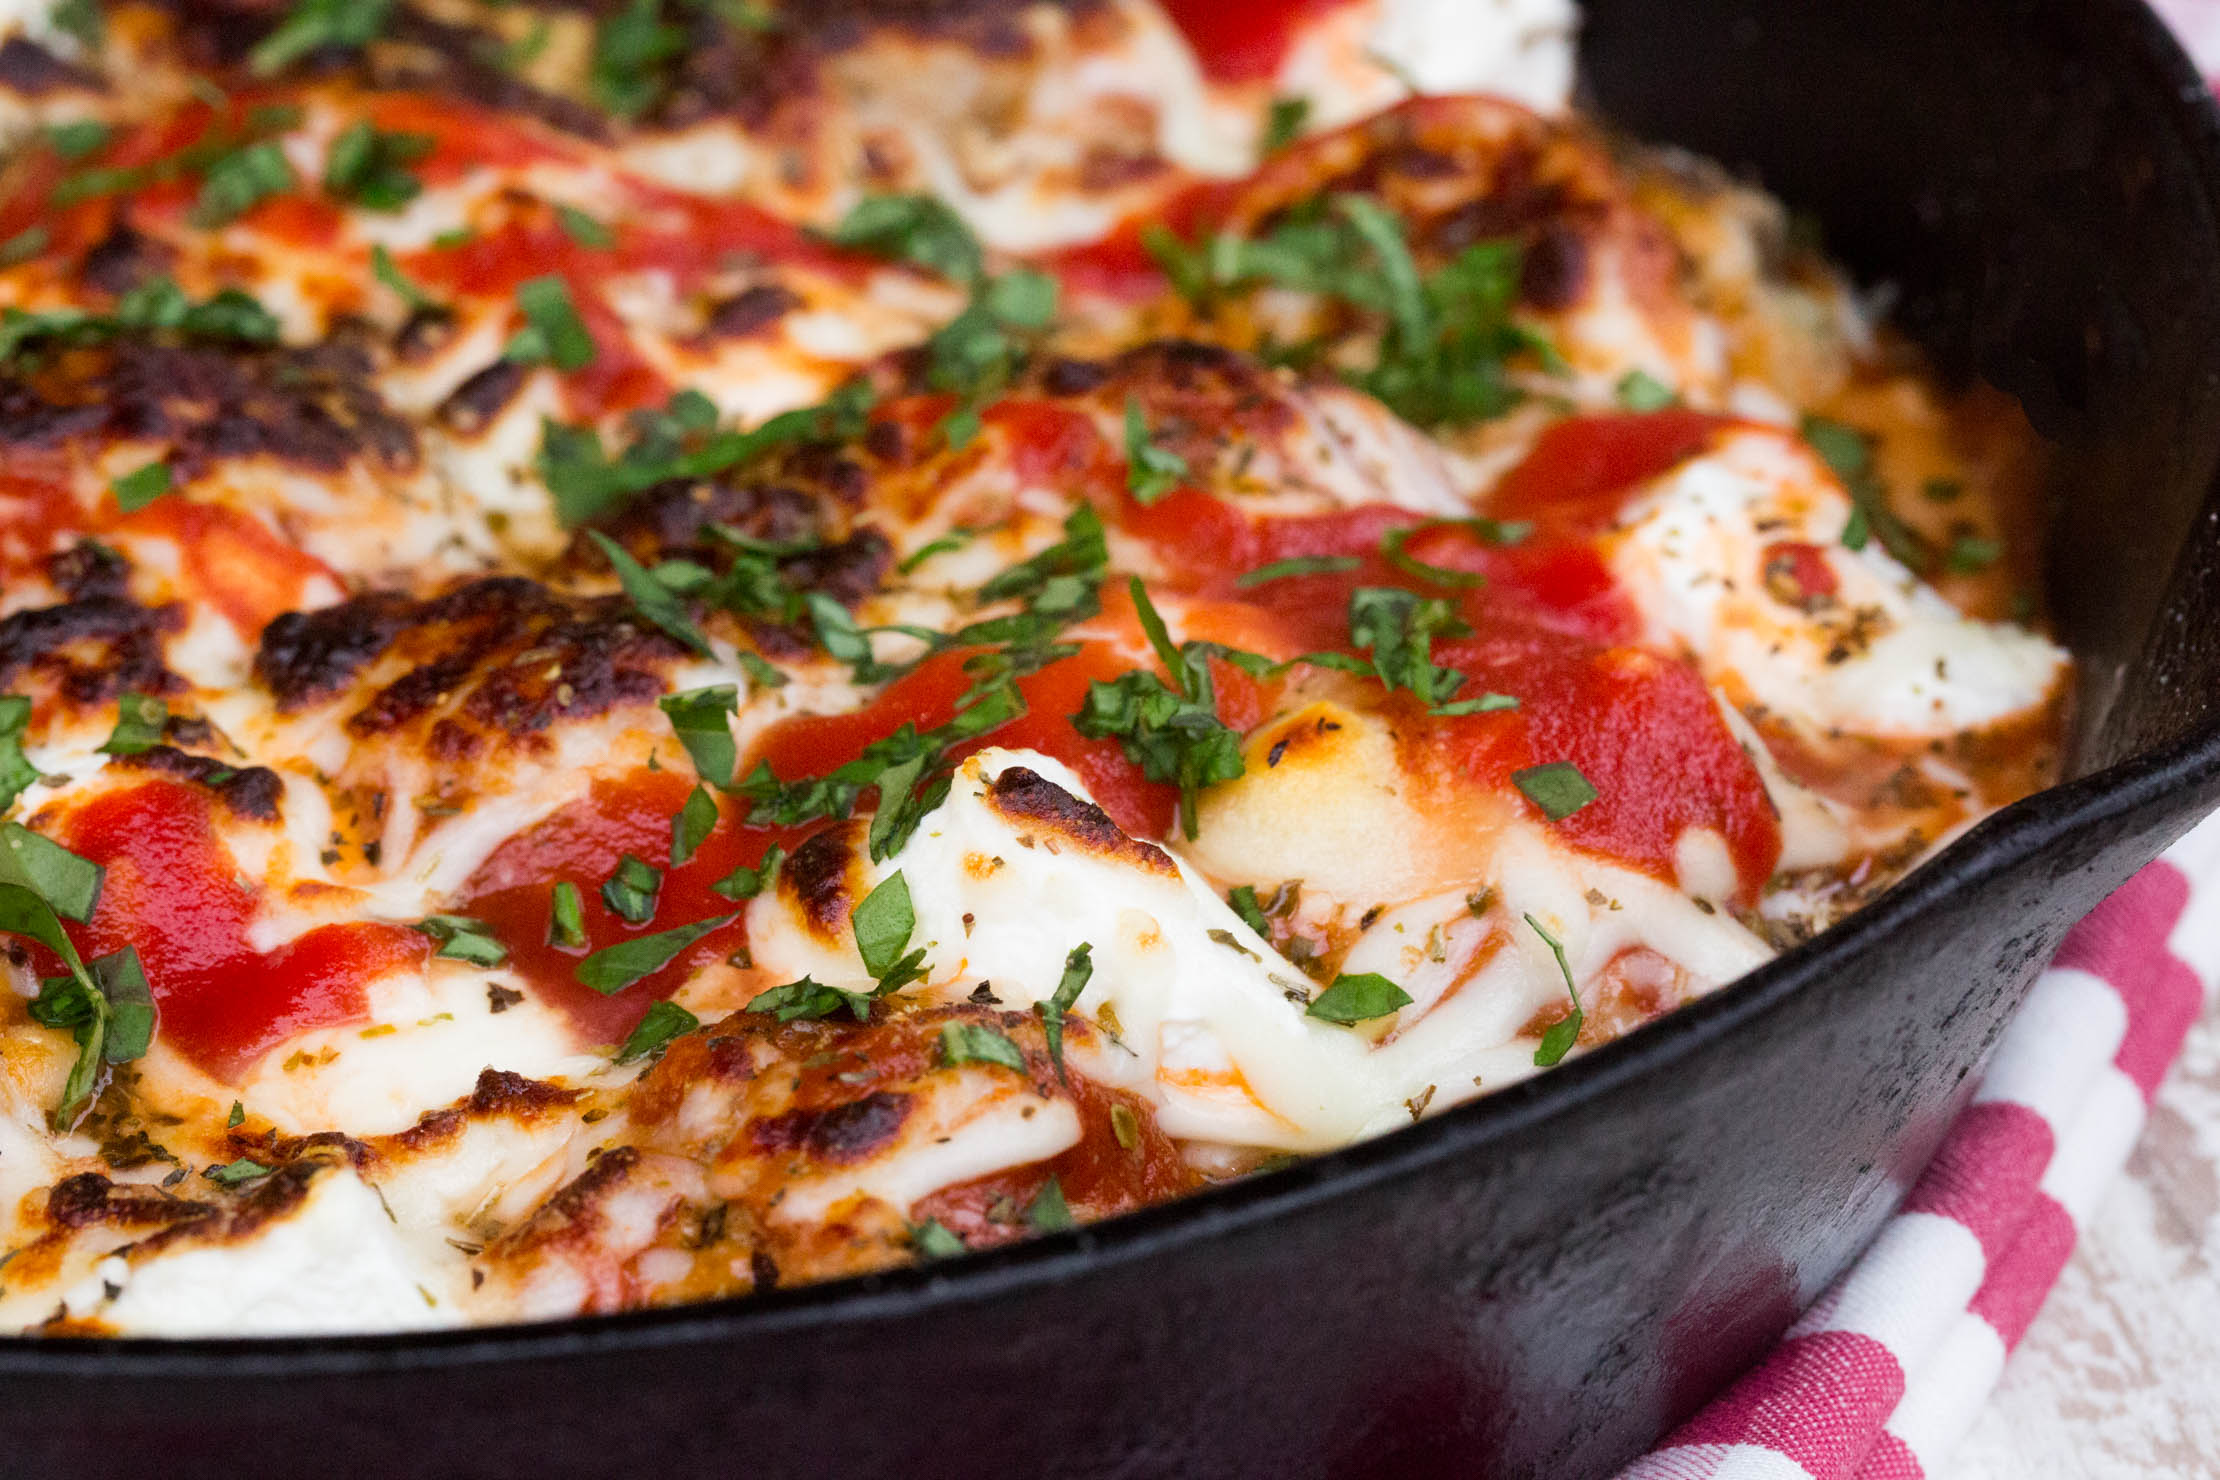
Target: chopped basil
(1391,547)
(16,770)
(388,272)
(933,1240)
(370,166)
(1942,490)
(1849,455)
(584,229)
(1244,901)
(882,924)
(25,245)
(1283,124)
(1125,1126)
(313,25)
(693,825)
(1150,471)
(633,49)
(69,884)
(141,486)
(650,597)
(631,891)
(232,1173)
(566,917)
(1639,390)
(1557,788)
(552,333)
(955,539)
(664,1021)
(702,719)
(140,719)
(238,1114)
(613,968)
(81,19)
(1483,704)
(79,138)
(239,181)
(745,882)
(1558,1040)
(975,1043)
(122,980)
(157,304)
(810,999)
(1969,553)
(1299,565)
(1079,967)
(1358,998)
(920,229)
(1171,731)
(462,938)
(1399,628)
(1048,1212)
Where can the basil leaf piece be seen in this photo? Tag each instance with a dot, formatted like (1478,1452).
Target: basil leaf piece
(1079,967)
(237,1116)
(584,229)
(631,55)
(1358,998)
(1048,1212)
(462,938)
(650,597)
(1151,472)
(1969,553)
(313,25)
(1283,124)
(700,716)
(122,981)
(140,720)
(1485,704)
(810,999)
(553,332)
(25,245)
(882,923)
(745,882)
(78,138)
(1245,904)
(975,1043)
(1557,788)
(16,770)
(1558,1040)
(631,891)
(239,181)
(1299,565)
(566,917)
(613,968)
(232,1173)
(1391,547)
(692,826)
(920,229)
(664,1021)
(141,486)
(370,166)
(934,1240)
(67,884)
(1638,390)
(388,272)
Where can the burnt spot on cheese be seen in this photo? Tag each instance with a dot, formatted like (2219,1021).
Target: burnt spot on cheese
(91,650)
(502,656)
(315,407)
(1553,273)
(250,1210)
(819,880)
(124,258)
(749,311)
(89,1200)
(842,1134)
(1054,817)
(504,1092)
(89,569)
(473,405)
(29,70)
(250,793)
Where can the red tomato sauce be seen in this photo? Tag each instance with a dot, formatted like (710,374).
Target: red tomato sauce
(173,891)
(513,892)
(1243,42)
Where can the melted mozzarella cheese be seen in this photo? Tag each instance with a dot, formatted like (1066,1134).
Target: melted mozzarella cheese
(1884,656)
(336,1262)
(1210,1021)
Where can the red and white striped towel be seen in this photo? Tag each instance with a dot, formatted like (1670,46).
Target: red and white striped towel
(1891,1366)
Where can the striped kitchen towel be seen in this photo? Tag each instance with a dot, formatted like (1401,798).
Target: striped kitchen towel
(1892,1365)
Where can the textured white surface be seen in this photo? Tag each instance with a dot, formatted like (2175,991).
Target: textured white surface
(2118,1375)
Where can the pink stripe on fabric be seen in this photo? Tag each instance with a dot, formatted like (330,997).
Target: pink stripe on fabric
(2163,995)
(1890,1458)
(2022,1278)
(1817,1400)
(1986,1171)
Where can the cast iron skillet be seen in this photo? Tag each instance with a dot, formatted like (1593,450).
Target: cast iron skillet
(1541,1282)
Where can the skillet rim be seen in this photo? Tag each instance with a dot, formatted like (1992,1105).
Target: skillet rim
(2005,840)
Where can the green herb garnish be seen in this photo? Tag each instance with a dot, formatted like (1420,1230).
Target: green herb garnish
(1358,998)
